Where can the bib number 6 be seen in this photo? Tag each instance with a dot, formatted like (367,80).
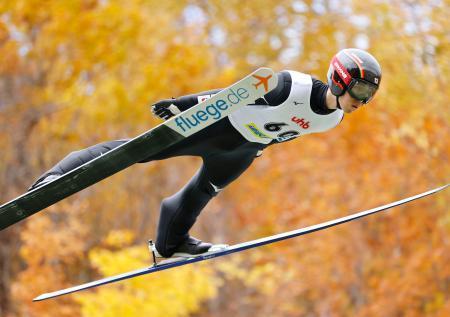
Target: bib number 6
(278,126)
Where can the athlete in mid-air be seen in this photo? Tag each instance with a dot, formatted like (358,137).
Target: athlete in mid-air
(298,105)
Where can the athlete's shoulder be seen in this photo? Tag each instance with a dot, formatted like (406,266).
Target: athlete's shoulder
(299,77)
(285,78)
(281,92)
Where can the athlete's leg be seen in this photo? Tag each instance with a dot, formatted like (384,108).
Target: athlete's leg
(218,137)
(180,211)
(78,158)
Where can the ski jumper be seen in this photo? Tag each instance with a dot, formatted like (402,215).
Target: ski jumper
(228,147)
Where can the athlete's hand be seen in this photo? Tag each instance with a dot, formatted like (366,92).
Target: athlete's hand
(165,109)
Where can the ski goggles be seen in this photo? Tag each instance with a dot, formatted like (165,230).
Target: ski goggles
(362,90)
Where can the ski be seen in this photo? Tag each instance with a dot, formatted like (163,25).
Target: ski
(168,133)
(236,248)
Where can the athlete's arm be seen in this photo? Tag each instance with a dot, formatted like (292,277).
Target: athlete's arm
(168,108)
(280,93)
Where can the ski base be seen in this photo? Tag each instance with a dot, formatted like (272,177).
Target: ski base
(164,265)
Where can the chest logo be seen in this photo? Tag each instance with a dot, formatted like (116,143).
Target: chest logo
(203,98)
(255,131)
(301,122)
(262,80)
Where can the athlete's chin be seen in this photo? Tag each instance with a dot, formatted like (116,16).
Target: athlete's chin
(348,110)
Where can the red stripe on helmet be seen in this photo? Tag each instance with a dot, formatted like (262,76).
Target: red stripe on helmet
(341,70)
(357,61)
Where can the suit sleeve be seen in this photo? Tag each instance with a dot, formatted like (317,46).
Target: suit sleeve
(280,93)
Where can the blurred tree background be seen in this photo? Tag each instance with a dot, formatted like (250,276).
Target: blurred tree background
(77,72)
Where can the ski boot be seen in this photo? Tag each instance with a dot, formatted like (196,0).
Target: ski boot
(190,248)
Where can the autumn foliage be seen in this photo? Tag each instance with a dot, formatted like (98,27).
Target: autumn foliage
(78,72)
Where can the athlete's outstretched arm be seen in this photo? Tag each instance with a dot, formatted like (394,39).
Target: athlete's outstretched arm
(168,108)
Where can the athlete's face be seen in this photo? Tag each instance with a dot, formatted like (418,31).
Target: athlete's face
(348,103)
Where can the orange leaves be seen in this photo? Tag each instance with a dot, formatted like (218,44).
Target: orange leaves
(9,50)
(53,250)
(75,73)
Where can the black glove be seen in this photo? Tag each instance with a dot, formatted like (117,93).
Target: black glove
(165,109)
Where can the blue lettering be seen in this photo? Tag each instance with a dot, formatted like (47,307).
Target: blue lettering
(214,112)
(195,121)
(186,123)
(202,115)
(221,104)
(177,121)
(233,98)
(243,93)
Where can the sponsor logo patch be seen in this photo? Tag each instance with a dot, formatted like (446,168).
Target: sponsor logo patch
(255,131)
(301,122)
(203,98)
(214,110)
(340,70)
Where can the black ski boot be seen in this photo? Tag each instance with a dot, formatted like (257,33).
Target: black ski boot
(192,247)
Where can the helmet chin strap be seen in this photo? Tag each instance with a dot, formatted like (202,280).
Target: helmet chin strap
(337,103)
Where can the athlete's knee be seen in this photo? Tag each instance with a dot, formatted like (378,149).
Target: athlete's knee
(214,189)
(204,187)
(168,205)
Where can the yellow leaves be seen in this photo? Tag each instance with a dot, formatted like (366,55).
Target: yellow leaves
(60,245)
(113,262)
(256,270)
(262,278)
(119,238)
(177,292)
(10,60)
(33,282)
(9,52)
(436,303)
(53,245)
(410,132)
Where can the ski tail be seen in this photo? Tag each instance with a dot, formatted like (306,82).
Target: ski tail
(141,147)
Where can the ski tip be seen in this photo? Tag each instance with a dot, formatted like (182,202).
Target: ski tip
(265,69)
(40,297)
(267,72)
